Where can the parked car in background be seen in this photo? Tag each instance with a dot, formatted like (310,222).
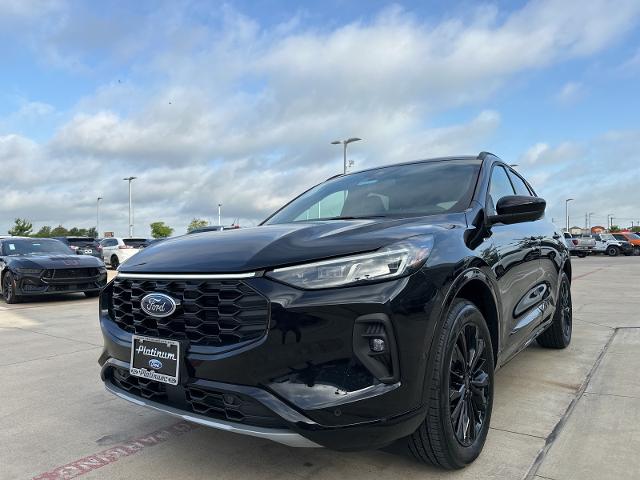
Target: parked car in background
(44,266)
(632,238)
(83,245)
(577,245)
(373,308)
(116,250)
(607,244)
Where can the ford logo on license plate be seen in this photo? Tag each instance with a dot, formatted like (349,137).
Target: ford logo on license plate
(155,364)
(158,305)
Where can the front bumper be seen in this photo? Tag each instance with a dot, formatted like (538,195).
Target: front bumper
(305,369)
(49,283)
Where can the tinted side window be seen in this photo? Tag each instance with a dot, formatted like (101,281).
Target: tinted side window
(519,185)
(619,236)
(499,187)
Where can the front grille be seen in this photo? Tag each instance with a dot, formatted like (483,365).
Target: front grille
(211,312)
(70,273)
(141,387)
(218,404)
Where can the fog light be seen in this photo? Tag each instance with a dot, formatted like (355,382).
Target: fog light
(377,345)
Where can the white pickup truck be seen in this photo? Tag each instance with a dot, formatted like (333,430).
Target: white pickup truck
(578,245)
(608,244)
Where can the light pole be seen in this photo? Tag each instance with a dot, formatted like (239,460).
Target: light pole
(566,211)
(344,144)
(98,216)
(609,220)
(219,214)
(589,225)
(130,179)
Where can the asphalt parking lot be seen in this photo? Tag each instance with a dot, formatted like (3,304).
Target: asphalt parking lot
(557,415)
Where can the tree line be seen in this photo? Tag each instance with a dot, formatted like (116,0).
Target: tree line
(24,228)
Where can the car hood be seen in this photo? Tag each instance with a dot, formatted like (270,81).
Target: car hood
(268,246)
(54,261)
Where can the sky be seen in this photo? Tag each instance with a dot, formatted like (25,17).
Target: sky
(237,103)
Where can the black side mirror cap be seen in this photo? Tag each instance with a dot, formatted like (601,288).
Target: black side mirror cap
(517,209)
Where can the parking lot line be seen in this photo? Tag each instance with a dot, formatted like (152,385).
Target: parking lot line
(90,463)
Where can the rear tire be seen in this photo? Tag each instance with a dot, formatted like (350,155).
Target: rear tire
(460,391)
(558,334)
(114,262)
(613,251)
(9,288)
(581,254)
(91,294)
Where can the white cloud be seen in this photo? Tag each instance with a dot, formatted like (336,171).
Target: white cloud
(570,93)
(242,113)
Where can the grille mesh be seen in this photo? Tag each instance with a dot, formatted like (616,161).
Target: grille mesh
(211,312)
(218,404)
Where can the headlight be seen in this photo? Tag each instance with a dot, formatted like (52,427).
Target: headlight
(394,261)
(33,271)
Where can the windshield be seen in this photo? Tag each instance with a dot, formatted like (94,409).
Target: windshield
(80,241)
(35,247)
(399,191)
(136,242)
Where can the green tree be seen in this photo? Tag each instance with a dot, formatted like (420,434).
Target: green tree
(77,232)
(44,232)
(92,232)
(21,228)
(59,231)
(614,228)
(160,230)
(197,223)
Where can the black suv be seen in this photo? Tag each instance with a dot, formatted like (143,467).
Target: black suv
(83,245)
(372,309)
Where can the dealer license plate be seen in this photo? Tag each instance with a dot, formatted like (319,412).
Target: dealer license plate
(155,358)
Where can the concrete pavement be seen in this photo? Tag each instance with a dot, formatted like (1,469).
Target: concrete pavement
(557,414)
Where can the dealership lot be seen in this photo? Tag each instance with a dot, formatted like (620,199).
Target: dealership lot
(558,414)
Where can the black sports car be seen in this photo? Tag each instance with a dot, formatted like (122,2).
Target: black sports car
(40,266)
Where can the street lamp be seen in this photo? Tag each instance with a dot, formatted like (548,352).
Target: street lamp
(219,214)
(98,216)
(609,220)
(130,179)
(344,144)
(566,211)
(589,225)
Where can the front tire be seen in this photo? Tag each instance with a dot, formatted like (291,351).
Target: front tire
(460,392)
(612,251)
(9,289)
(114,262)
(558,334)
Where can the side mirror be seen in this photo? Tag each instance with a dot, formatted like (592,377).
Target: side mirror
(518,208)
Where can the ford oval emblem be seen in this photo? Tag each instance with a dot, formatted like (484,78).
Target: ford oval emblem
(158,305)
(155,364)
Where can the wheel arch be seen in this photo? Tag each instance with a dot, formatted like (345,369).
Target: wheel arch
(474,285)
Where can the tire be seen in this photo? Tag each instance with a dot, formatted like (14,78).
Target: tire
(114,262)
(558,334)
(581,254)
(612,251)
(9,288)
(636,250)
(91,294)
(439,440)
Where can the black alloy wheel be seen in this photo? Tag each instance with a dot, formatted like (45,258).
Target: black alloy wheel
(612,251)
(459,396)
(468,385)
(558,334)
(9,289)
